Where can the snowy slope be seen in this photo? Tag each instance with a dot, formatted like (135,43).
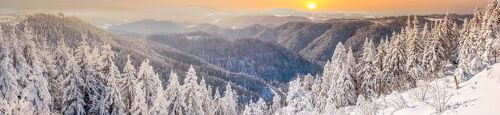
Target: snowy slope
(478,96)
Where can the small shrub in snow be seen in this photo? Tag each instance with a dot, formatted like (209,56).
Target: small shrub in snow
(440,97)
(399,102)
(366,107)
(421,92)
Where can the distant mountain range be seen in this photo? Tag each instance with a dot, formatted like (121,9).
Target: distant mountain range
(146,27)
(315,41)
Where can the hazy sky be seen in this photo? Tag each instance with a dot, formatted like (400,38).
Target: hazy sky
(242,5)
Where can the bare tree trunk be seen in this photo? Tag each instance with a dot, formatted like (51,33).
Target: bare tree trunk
(379,90)
(456,81)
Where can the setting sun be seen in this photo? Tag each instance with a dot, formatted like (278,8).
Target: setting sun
(311,5)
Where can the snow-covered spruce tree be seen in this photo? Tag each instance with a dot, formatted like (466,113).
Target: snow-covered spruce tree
(386,79)
(396,77)
(367,70)
(205,95)
(489,32)
(308,82)
(381,53)
(351,68)
(151,86)
(133,95)
(414,52)
(47,59)
(330,74)
(247,110)
(91,88)
(20,64)
(50,73)
(106,63)
(323,86)
(342,93)
(474,31)
(447,36)
(73,100)
(469,60)
(8,84)
(314,93)
(256,108)
(216,104)
(465,45)
(465,52)
(173,95)
(277,104)
(209,103)
(99,63)
(298,101)
(95,64)
(36,90)
(495,44)
(191,94)
(229,103)
(369,53)
(434,58)
(379,64)
(475,25)
(61,56)
(425,34)
(455,32)
(408,28)
(112,97)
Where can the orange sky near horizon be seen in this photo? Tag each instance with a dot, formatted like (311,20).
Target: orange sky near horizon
(241,5)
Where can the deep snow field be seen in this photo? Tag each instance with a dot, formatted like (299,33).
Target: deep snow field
(480,95)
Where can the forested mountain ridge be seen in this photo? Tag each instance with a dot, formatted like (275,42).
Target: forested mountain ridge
(315,41)
(311,41)
(163,58)
(264,59)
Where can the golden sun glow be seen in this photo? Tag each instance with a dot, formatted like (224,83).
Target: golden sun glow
(311,5)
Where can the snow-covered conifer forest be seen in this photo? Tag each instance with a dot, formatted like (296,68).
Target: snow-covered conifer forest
(437,68)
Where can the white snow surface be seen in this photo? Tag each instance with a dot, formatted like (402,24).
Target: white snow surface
(480,95)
